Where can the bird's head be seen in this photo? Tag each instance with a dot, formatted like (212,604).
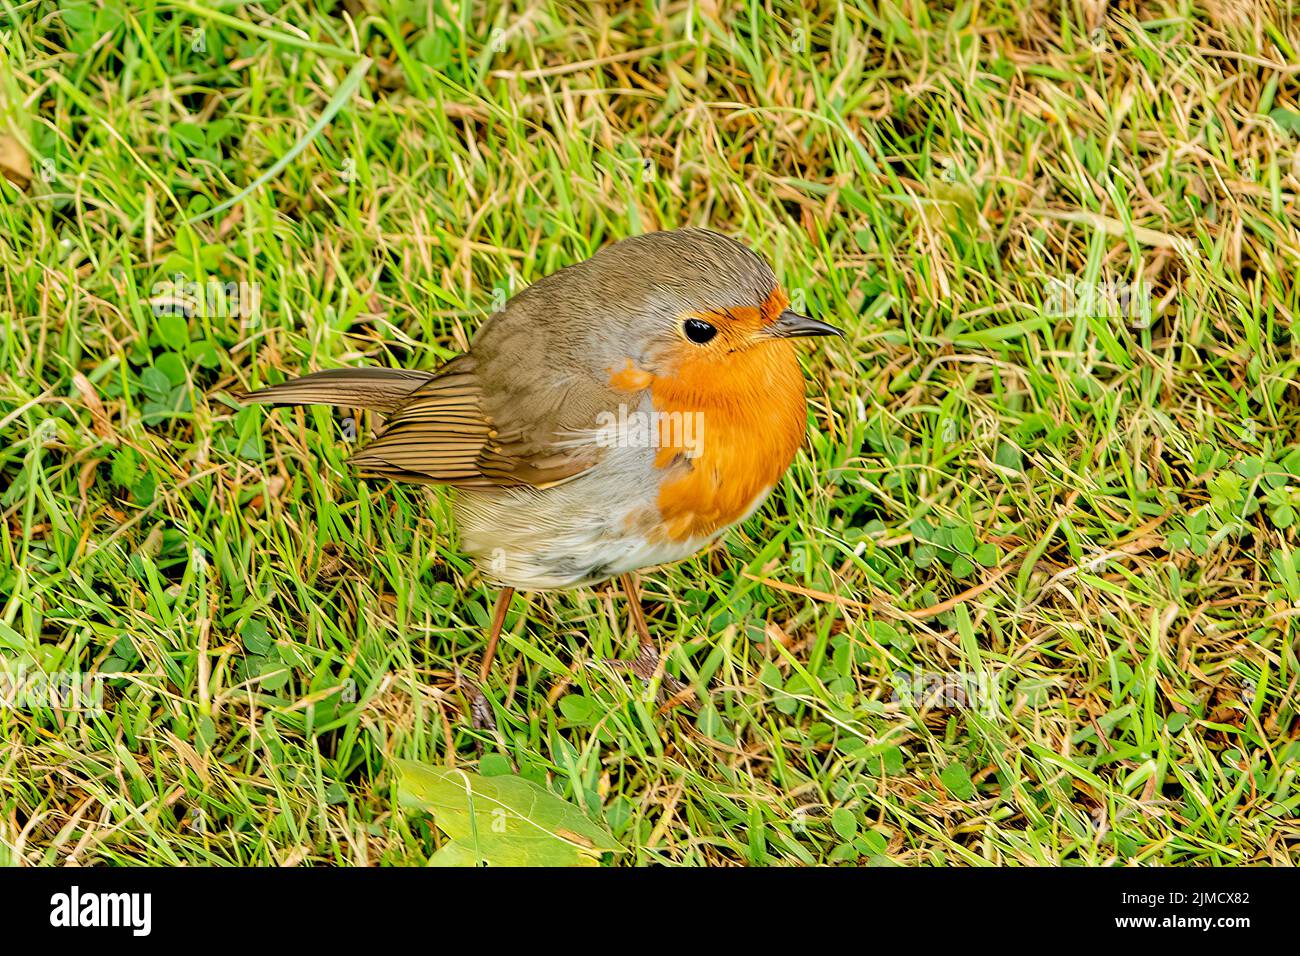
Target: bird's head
(690,305)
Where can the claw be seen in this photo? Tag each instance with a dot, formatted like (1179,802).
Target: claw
(645,665)
(480,711)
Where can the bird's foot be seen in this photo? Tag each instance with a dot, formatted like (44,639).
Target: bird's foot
(480,711)
(672,692)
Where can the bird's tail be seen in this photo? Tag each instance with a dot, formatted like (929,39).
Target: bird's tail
(379,389)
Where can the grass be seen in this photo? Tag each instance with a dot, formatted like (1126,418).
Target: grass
(1073,535)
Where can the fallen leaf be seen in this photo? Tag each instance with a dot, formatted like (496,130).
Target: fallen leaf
(501,821)
(98,417)
(15,164)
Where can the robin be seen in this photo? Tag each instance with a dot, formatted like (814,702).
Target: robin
(619,414)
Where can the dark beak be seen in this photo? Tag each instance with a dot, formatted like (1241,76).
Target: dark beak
(789,325)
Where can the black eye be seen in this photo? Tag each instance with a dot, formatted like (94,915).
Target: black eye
(699,331)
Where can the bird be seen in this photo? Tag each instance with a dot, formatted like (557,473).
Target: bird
(616,415)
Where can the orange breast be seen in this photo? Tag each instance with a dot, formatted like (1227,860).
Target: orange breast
(752,411)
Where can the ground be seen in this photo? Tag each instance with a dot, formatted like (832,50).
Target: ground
(1028,594)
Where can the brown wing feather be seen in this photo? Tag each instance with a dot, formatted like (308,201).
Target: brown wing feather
(382,389)
(443,433)
(504,414)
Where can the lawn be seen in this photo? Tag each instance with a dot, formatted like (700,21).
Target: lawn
(1029,594)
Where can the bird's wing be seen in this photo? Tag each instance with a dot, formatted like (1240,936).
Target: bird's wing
(503,414)
(520,408)
(382,389)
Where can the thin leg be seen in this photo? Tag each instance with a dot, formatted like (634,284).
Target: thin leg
(494,635)
(628,581)
(646,664)
(480,711)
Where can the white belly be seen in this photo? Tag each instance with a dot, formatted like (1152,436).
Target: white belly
(575,533)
